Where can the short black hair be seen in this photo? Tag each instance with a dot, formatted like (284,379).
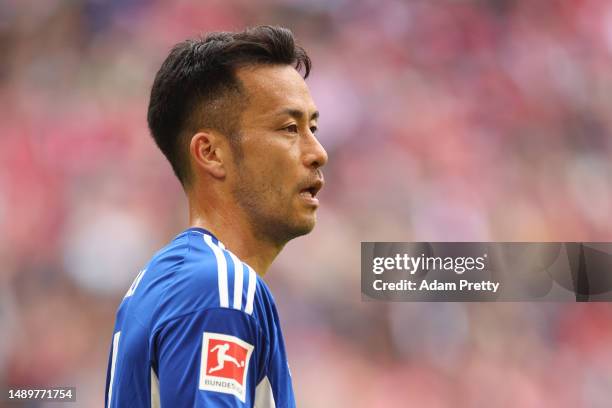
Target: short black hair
(197,87)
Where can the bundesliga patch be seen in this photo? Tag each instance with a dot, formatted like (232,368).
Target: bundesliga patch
(225,364)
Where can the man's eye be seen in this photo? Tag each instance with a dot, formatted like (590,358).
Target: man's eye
(292,128)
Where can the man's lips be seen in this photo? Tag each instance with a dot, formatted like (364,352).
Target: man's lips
(311,188)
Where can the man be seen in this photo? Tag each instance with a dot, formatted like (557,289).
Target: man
(198,327)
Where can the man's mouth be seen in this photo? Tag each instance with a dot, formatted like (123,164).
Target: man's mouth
(313,188)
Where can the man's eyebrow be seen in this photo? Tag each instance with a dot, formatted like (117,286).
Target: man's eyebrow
(298,114)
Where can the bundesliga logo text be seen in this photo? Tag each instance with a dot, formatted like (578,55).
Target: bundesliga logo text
(225,364)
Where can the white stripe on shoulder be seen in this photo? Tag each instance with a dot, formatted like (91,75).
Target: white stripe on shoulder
(264,397)
(251,291)
(238,268)
(221,271)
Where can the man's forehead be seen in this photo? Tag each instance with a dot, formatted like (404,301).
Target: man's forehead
(275,89)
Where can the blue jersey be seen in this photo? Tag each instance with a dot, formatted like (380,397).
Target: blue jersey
(198,328)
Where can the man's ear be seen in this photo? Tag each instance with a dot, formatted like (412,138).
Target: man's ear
(207,150)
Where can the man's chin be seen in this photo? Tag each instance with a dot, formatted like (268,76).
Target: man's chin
(305,229)
(301,227)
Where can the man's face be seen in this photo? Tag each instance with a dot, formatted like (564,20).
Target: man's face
(276,175)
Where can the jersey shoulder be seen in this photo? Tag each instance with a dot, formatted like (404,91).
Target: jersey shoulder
(208,276)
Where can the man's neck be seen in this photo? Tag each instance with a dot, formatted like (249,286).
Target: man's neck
(237,236)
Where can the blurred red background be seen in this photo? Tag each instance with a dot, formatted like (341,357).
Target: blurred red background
(449,120)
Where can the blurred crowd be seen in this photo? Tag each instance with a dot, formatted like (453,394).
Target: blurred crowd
(446,120)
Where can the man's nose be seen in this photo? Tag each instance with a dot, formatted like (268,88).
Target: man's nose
(315,155)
